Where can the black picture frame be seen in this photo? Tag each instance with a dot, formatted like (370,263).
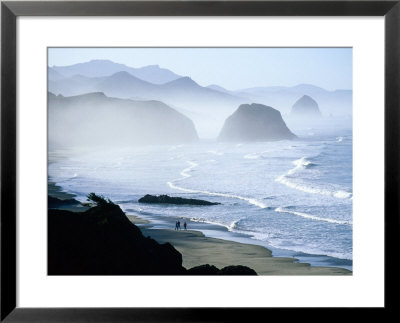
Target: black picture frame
(11,10)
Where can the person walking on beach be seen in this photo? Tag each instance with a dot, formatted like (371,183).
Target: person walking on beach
(184,225)
(176,225)
(179,225)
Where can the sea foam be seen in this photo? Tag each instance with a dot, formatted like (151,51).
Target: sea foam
(185,175)
(216,152)
(312,217)
(251,156)
(303,164)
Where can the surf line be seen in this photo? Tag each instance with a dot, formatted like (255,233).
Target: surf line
(312,217)
(304,163)
(185,174)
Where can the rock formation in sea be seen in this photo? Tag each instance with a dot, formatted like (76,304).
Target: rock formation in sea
(305,107)
(255,122)
(165,199)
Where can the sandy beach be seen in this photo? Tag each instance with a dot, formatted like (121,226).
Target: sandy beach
(198,249)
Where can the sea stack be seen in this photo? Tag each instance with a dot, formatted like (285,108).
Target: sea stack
(255,122)
(305,107)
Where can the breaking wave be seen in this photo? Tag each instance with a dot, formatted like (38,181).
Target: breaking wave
(185,174)
(303,164)
(312,217)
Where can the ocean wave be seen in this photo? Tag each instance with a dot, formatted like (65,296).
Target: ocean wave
(233,225)
(74,176)
(343,195)
(276,243)
(340,194)
(251,156)
(175,147)
(339,139)
(312,217)
(258,155)
(185,172)
(230,227)
(126,201)
(185,175)
(215,152)
(252,201)
(303,164)
(275,240)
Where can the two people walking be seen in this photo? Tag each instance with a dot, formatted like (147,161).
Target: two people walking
(178,225)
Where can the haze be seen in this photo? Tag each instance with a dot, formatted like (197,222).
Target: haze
(231,68)
(179,95)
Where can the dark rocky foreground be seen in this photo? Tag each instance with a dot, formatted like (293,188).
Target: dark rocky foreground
(165,199)
(54,203)
(229,270)
(102,241)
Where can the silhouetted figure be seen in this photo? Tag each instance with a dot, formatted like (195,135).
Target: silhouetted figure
(179,225)
(184,225)
(176,225)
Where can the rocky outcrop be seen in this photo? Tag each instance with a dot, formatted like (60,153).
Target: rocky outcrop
(54,202)
(102,241)
(305,107)
(237,270)
(165,199)
(255,122)
(203,270)
(228,270)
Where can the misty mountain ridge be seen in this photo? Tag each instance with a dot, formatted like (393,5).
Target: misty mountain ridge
(125,85)
(53,75)
(218,88)
(99,68)
(94,119)
(185,81)
(208,106)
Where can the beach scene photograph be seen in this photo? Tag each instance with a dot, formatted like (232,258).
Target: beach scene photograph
(197,161)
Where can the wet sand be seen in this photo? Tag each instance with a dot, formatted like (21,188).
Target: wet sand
(197,249)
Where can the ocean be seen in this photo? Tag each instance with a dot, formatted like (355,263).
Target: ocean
(293,197)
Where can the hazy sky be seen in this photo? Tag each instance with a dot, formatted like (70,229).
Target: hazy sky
(232,68)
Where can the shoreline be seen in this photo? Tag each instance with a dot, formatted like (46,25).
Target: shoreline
(198,247)
(204,243)
(221,232)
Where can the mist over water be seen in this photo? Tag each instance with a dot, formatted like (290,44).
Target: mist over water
(289,195)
